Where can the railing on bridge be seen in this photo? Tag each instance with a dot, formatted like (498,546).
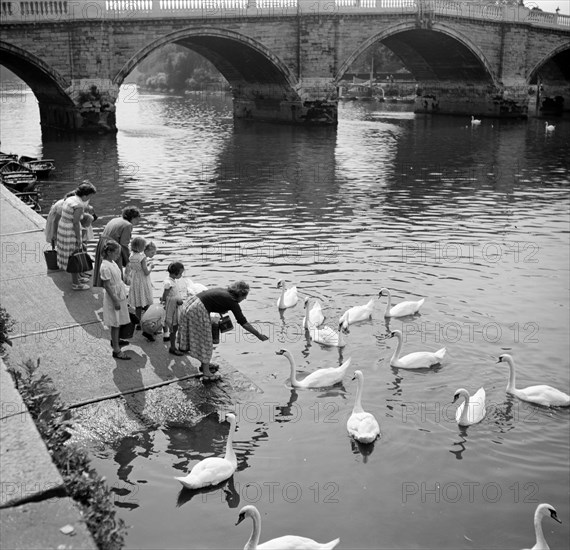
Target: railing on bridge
(39,11)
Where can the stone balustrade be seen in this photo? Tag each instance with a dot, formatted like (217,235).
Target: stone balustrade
(39,11)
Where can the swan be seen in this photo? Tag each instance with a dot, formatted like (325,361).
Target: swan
(416,360)
(361,425)
(288,296)
(321,378)
(357,313)
(213,470)
(475,121)
(327,336)
(314,315)
(472,410)
(541,511)
(403,308)
(542,394)
(287,542)
(549,127)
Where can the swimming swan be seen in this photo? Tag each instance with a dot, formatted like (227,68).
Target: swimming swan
(541,511)
(314,315)
(287,542)
(213,470)
(357,313)
(403,308)
(361,425)
(321,378)
(327,336)
(416,360)
(546,396)
(549,127)
(288,296)
(472,410)
(475,121)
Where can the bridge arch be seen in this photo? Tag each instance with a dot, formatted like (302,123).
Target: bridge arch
(240,59)
(430,54)
(556,63)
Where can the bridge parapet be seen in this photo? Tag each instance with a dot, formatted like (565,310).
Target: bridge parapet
(49,11)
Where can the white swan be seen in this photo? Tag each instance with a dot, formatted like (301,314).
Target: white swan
(362,425)
(288,296)
(472,410)
(541,511)
(549,127)
(416,360)
(327,336)
(357,313)
(314,315)
(403,308)
(542,394)
(475,121)
(321,378)
(287,542)
(213,470)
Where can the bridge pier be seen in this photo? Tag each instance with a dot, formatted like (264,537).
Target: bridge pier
(90,108)
(486,100)
(312,103)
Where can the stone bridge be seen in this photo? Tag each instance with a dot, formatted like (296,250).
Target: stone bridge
(284,59)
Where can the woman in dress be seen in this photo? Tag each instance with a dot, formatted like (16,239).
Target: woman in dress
(69,239)
(120,230)
(195,327)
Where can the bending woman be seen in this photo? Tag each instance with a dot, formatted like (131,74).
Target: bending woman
(69,237)
(195,327)
(120,230)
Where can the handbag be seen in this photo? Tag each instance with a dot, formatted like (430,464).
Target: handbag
(51,259)
(79,262)
(225,323)
(128,330)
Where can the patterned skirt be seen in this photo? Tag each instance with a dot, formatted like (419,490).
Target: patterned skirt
(66,242)
(195,330)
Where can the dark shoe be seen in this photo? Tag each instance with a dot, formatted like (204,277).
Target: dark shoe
(149,337)
(214,367)
(121,342)
(137,327)
(121,355)
(175,352)
(166,338)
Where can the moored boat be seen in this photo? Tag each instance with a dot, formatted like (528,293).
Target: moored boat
(40,167)
(17,177)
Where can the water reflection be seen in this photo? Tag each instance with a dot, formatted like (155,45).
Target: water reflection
(226,491)
(461,443)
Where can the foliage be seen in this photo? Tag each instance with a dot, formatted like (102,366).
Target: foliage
(82,482)
(6,324)
(173,67)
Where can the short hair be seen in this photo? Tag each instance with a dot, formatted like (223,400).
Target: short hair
(110,246)
(175,268)
(85,189)
(239,289)
(86,220)
(138,244)
(131,212)
(150,246)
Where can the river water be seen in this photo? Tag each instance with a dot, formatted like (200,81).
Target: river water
(473,219)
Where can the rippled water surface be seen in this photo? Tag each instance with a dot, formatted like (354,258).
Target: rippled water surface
(474,220)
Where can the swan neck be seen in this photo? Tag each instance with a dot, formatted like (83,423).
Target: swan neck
(294,381)
(398,349)
(388,304)
(255,532)
(540,540)
(358,401)
(512,376)
(465,411)
(230,454)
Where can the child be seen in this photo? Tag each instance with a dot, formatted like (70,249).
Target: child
(172,298)
(86,222)
(115,310)
(140,293)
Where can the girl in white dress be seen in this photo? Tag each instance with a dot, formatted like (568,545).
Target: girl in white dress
(172,297)
(115,310)
(140,293)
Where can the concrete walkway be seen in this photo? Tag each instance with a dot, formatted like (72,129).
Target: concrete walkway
(63,329)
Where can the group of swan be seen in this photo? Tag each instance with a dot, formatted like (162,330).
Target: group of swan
(287,542)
